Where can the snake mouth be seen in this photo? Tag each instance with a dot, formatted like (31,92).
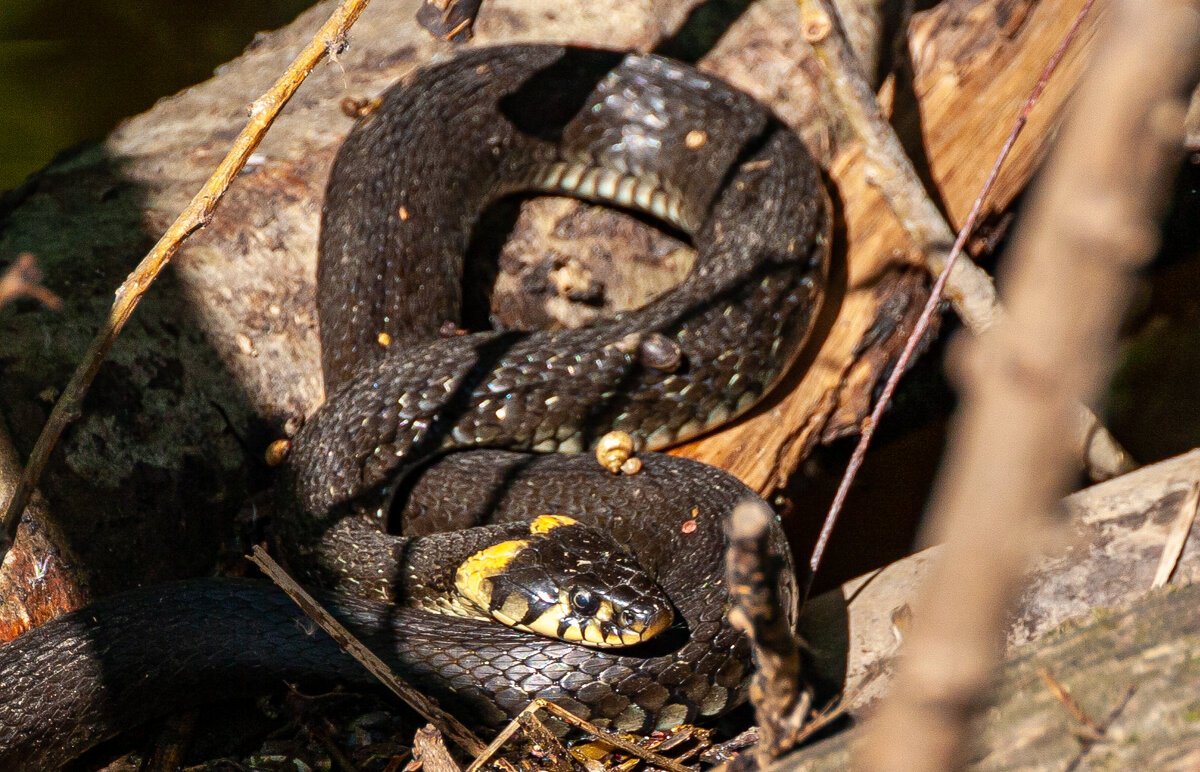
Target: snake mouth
(566,581)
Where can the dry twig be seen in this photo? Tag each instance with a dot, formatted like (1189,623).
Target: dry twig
(330,38)
(1093,731)
(570,719)
(1092,225)
(1063,695)
(781,701)
(429,710)
(968,287)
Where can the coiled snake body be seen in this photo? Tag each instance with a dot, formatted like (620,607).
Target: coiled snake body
(405,192)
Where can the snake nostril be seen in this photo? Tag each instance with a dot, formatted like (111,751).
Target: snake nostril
(639,615)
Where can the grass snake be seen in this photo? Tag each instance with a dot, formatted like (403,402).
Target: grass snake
(407,188)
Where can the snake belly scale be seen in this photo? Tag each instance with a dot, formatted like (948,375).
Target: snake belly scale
(408,186)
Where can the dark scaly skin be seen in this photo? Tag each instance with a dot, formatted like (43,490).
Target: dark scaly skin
(753,204)
(391,250)
(739,317)
(86,676)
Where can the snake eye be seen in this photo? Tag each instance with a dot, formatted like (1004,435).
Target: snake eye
(584,601)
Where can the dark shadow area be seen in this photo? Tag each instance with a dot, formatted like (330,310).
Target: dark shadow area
(1152,405)
(139,482)
(147,484)
(546,102)
(701,30)
(71,69)
(879,522)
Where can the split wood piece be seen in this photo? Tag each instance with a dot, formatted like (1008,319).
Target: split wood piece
(974,62)
(968,287)
(430,751)
(428,709)
(40,578)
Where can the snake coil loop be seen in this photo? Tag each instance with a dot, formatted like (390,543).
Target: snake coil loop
(408,184)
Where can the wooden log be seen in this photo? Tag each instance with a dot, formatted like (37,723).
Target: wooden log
(1132,671)
(1106,558)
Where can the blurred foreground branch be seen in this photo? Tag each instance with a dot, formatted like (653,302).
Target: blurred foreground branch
(1092,225)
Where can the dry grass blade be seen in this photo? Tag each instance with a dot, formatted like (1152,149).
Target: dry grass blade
(447,724)
(330,37)
(569,718)
(1177,538)
(1063,695)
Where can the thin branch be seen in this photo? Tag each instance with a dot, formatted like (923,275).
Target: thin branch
(1063,695)
(429,710)
(781,702)
(330,38)
(935,296)
(968,287)
(1091,226)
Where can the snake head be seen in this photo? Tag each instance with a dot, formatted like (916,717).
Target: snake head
(567,581)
